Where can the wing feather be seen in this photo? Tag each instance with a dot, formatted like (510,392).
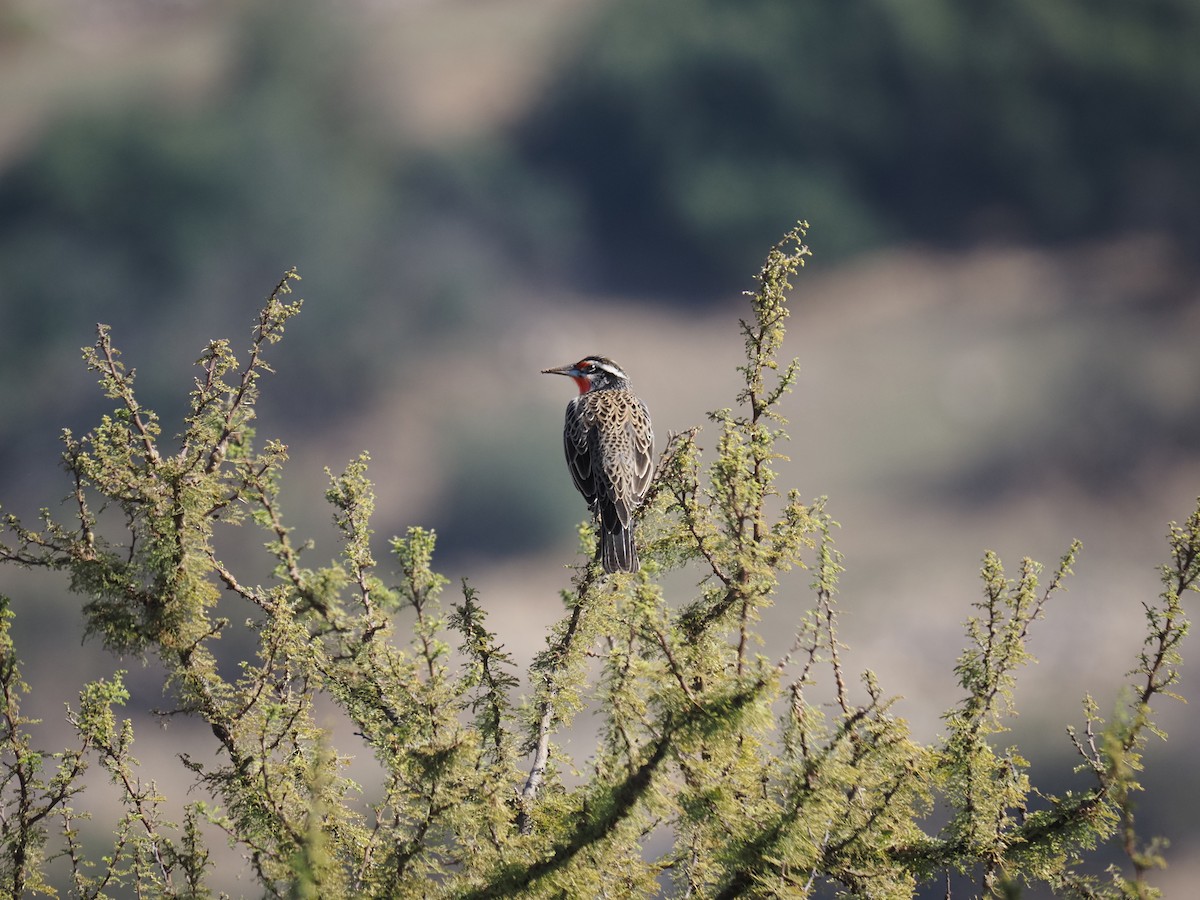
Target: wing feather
(577,444)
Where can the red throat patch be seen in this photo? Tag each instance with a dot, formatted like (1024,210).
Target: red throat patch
(585,385)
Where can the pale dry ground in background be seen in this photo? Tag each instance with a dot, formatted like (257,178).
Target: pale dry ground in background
(434,70)
(913,363)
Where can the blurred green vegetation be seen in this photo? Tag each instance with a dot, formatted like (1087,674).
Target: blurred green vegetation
(693,130)
(164,219)
(142,216)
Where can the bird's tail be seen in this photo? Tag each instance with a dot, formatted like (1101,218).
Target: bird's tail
(618,552)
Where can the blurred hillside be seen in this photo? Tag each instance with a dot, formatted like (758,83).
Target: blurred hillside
(690,131)
(998,333)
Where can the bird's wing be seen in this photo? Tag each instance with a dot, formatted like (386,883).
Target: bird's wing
(578,443)
(641,436)
(626,453)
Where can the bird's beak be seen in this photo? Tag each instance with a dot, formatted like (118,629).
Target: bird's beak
(569,371)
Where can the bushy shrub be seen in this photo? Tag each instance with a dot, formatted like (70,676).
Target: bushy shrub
(763,786)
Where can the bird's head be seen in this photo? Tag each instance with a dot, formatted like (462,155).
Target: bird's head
(592,373)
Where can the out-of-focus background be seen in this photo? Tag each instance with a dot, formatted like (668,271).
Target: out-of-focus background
(999,330)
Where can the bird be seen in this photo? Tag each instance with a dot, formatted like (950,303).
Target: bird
(609,445)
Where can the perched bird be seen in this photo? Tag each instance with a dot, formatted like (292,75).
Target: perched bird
(610,452)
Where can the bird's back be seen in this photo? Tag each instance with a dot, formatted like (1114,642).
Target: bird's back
(610,448)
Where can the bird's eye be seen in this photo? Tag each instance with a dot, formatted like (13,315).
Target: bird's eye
(585,366)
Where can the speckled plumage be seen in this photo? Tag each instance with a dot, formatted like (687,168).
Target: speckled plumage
(609,445)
